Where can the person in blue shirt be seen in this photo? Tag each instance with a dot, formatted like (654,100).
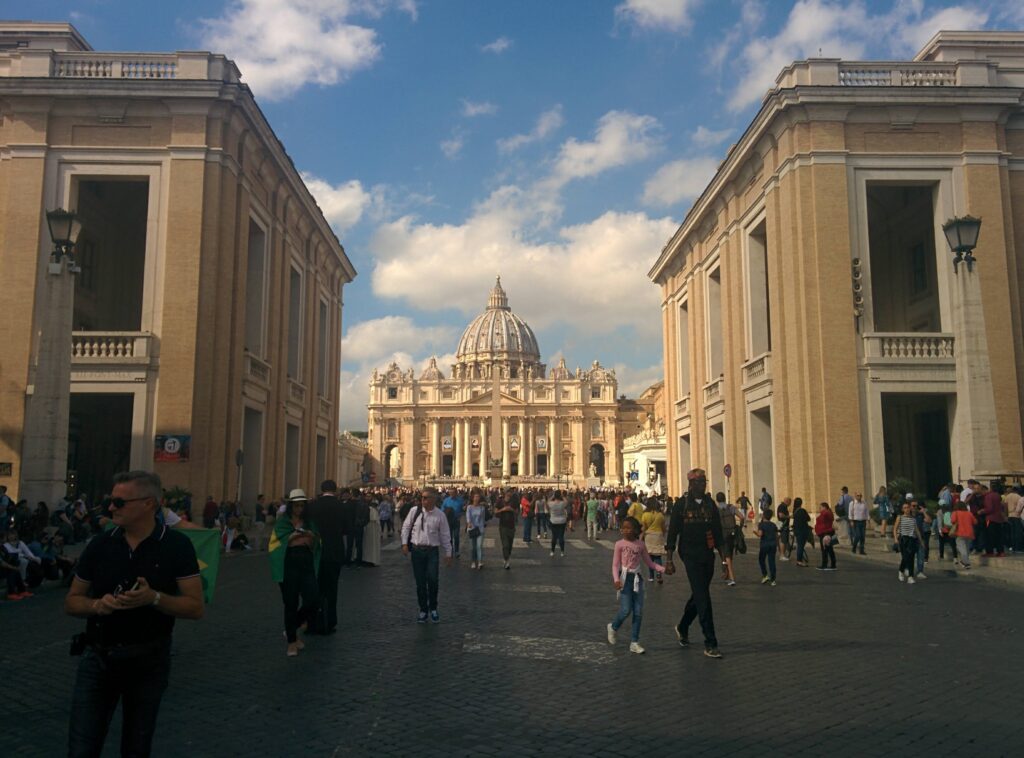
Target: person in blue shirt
(452,508)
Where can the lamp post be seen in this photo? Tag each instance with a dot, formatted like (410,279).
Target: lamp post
(44,450)
(974,441)
(962,236)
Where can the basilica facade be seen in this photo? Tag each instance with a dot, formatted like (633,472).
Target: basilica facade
(499,413)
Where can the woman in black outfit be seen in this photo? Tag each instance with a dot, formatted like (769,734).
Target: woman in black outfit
(801,530)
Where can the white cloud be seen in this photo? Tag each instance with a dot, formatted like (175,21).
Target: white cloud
(282,45)
(605,260)
(497,47)
(673,15)
(548,122)
(453,147)
(633,381)
(343,205)
(704,137)
(370,342)
(679,180)
(621,138)
(841,30)
(471,109)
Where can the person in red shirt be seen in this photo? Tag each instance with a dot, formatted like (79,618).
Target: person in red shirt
(826,537)
(962,527)
(995,518)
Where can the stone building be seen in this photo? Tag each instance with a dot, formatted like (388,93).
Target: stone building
(205,316)
(816,333)
(556,425)
(645,454)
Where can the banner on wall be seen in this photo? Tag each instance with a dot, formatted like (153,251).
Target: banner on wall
(172,448)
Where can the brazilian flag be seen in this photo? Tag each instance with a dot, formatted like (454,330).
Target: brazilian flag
(207,545)
(283,529)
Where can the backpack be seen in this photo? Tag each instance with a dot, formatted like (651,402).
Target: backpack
(841,509)
(453,520)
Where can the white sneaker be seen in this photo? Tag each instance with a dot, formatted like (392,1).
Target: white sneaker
(552,553)
(611,635)
(472,565)
(910,580)
(634,647)
(902,577)
(921,575)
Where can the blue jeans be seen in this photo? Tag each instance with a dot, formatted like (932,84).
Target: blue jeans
(477,548)
(631,600)
(922,553)
(767,552)
(425,562)
(527,528)
(138,682)
(857,534)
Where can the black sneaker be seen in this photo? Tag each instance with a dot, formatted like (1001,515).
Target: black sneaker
(712,652)
(683,639)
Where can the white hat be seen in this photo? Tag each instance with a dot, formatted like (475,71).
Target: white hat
(910,496)
(297,496)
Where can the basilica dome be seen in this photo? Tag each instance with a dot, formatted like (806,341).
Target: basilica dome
(498,334)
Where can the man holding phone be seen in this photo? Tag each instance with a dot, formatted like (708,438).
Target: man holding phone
(131,582)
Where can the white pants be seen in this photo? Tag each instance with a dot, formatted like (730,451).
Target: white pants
(591,529)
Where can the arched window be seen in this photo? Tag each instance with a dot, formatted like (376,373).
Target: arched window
(513,427)
(565,430)
(423,430)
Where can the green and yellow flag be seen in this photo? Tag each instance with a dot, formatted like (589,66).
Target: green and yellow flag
(279,545)
(207,545)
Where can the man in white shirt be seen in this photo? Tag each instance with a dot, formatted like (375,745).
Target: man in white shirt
(858,513)
(424,534)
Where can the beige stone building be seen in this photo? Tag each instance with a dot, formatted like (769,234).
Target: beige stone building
(645,453)
(206,314)
(556,426)
(815,332)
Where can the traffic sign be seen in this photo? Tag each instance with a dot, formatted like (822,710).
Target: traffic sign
(727,471)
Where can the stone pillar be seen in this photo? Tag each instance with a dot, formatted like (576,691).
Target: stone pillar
(504,448)
(467,458)
(527,448)
(457,447)
(555,448)
(975,435)
(435,447)
(483,448)
(44,448)
(580,461)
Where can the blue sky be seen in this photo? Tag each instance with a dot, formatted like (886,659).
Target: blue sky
(556,142)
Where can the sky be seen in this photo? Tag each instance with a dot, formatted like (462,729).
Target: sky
(558,143)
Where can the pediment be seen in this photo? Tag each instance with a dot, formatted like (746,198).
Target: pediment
(484,400)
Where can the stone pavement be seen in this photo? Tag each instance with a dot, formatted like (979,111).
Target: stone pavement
(846,663)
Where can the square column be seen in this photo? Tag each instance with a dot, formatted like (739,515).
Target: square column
(467,460)
(504,448)
(457,447)
(526,450)
(483,448)
(435,447)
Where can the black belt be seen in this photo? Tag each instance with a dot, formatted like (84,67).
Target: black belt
(425,547)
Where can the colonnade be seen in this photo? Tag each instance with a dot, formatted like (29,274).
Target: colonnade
(523,439)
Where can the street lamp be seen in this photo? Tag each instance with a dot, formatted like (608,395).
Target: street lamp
(64,230)
(962,236)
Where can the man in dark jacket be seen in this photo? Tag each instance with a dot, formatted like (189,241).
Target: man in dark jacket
(358,519)
(327,513)
(695,524)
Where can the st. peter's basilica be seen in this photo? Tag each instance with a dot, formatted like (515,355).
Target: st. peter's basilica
(557,426)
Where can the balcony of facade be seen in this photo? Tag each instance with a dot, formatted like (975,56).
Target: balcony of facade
(114,355)
(714,397)
(905,357)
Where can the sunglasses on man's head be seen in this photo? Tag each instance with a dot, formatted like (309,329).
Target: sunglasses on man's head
(120,502)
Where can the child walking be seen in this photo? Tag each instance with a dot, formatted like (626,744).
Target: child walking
(627,561)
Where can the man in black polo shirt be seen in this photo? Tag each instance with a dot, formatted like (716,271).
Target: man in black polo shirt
(130,583)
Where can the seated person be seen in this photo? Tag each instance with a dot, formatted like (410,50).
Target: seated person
(15,558)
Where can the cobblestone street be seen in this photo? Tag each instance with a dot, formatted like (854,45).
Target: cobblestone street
(846,663)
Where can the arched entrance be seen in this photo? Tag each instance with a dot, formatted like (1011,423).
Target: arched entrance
(392,462)
(597,461)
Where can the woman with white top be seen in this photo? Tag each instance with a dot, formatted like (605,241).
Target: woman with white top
(476,521)
(558,515)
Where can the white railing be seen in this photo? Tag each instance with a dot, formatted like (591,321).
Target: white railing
(296,392)
(257,369)
(897,75)
(912,346)
(713,391)
(106,67)
(684,405)
(110,347)
(758,369)
(30,62)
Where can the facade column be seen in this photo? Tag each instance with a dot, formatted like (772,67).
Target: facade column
(457,447)
(581,463)
(435,447)
(467,460)
(505,449)
(483,448)
(528,447)
(555,449)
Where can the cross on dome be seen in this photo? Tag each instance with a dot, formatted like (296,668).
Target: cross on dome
(498,298)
